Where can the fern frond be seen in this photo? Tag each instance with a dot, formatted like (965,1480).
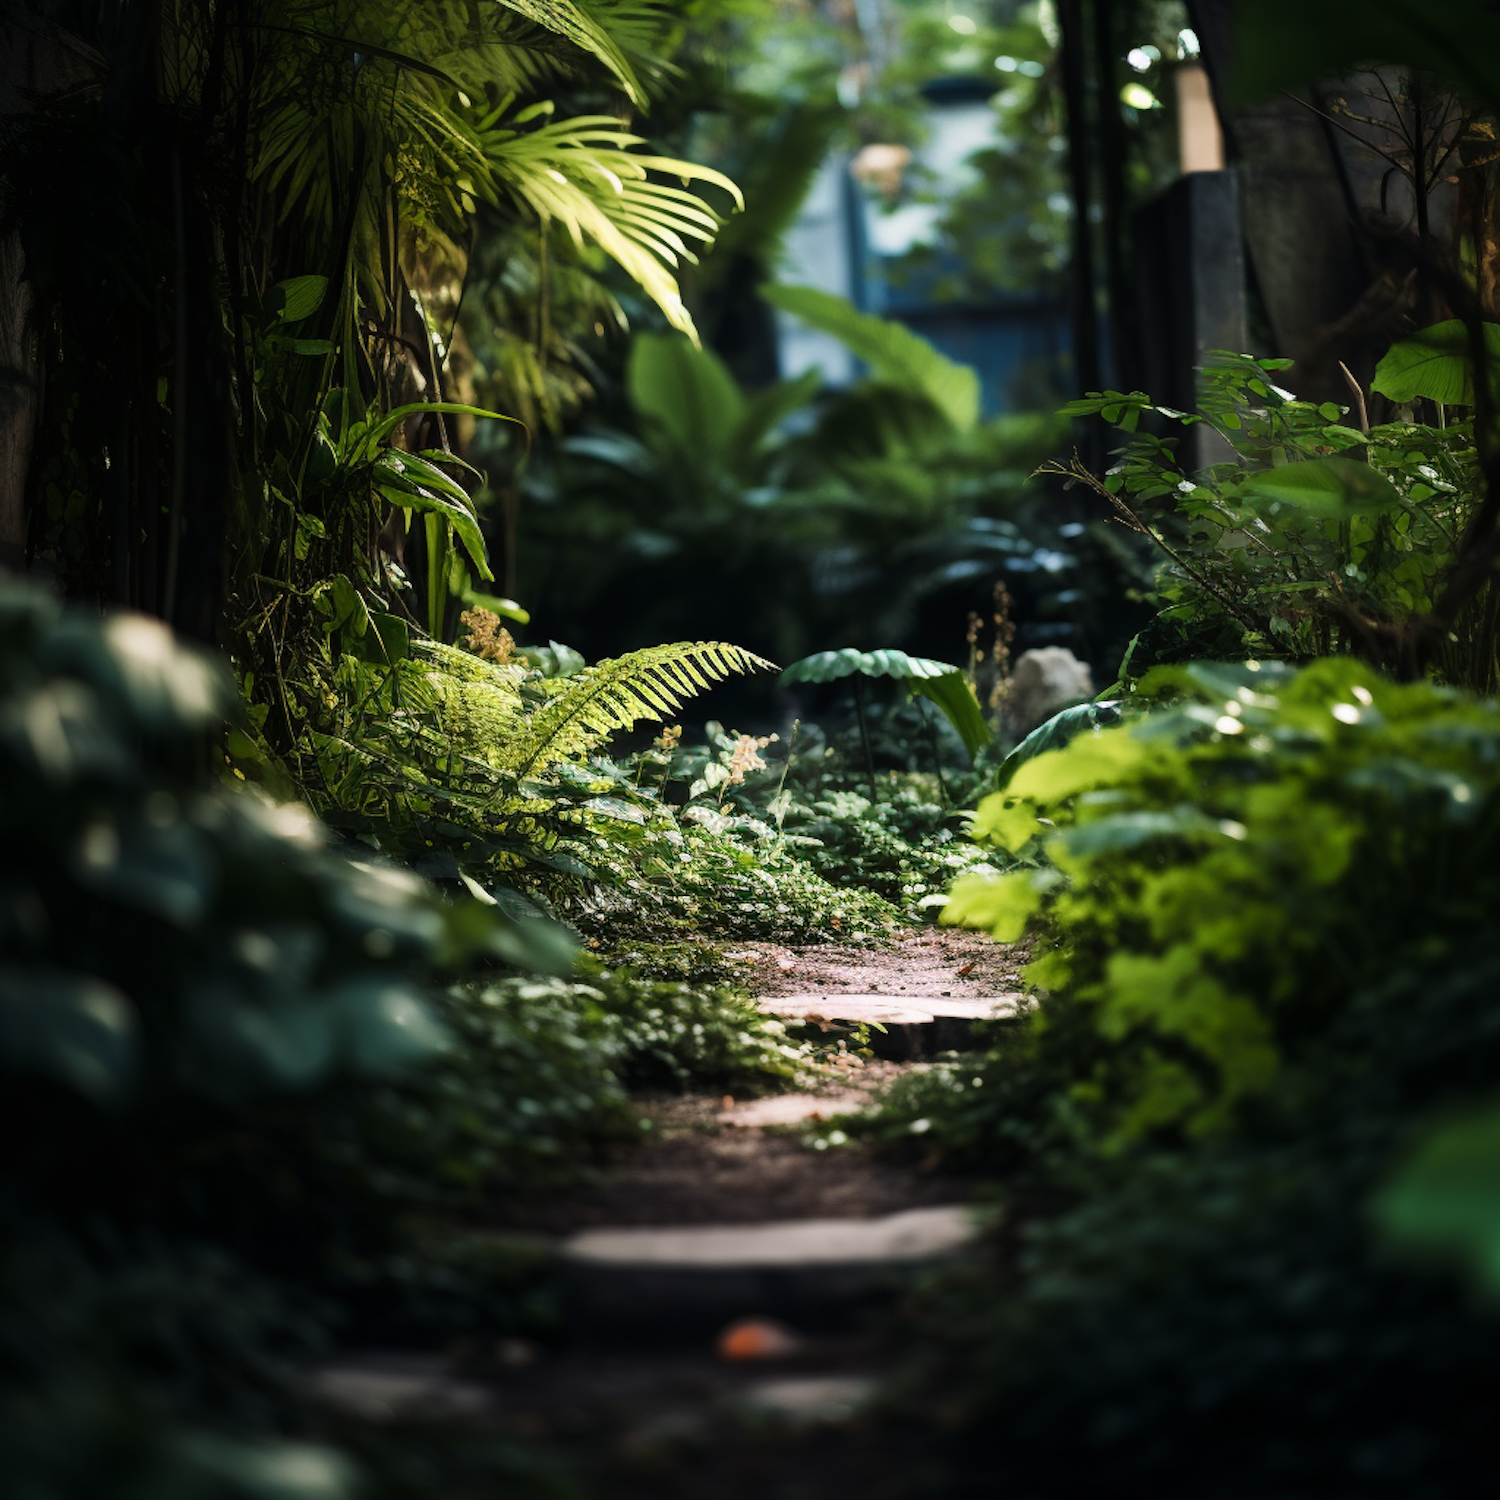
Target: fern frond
(478,704)
(650,684)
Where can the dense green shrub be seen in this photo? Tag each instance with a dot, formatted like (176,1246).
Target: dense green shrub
(1227,874)
(1272,967)
(203,1002)
(1315,535)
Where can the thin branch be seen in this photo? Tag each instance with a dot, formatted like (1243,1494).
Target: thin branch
(1359,397)
(1077,470)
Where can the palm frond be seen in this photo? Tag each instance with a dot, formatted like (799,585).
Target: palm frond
(585,175)
(586,32)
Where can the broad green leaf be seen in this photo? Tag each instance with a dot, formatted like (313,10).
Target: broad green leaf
(1444,1199)
(953,695)
(829,666)
(896,354)
(1057,731)
(686,393)
(1437,364)
(507,609)
(241,1042)
(408,495)
(767,409)
(72,1028)
(161,685)
(1093,760)
(1008,822)
(387,1027)
(1130,830)
(350,612)
(999,904)
(300,297)
(1328,488)
(386,643)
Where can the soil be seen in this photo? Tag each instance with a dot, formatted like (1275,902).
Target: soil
(694,1168)
(937,962)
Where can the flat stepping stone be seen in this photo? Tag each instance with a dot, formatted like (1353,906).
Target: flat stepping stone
(677,1282)
(912,1027)
(790,1109)
(382,1387)
(914,1234)
(879,1008)
(808,1400)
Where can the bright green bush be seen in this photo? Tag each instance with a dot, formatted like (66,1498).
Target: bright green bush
(1226,874)
(1270,969)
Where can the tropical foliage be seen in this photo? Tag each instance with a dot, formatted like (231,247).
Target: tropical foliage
(1313,535)
(797,515)
(1266,970)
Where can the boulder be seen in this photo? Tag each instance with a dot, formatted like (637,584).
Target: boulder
(1045,680)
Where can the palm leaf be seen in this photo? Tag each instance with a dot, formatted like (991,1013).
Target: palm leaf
(586,33)
(585,175)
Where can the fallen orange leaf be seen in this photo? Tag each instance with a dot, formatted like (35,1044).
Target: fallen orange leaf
(755,1338)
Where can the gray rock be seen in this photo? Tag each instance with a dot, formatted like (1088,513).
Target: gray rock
(1044,681)
(381,1387)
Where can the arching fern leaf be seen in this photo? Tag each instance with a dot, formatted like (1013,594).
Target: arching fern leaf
(585,710)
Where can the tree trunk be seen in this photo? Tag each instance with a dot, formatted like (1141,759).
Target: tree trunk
(34,59)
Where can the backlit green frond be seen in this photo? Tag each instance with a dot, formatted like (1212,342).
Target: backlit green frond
(585,175)
(651,684)
(478,703)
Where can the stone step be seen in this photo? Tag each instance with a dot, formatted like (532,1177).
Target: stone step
(671,1283)
(791,1109)
(902,1027)
(389,1386)
(810,1400)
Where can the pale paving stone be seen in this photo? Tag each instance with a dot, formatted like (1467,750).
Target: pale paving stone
(883,1009)
(385,1387)
(916,1235)
(811,1398)
(895,1009)
(791,1109)
(909,1027)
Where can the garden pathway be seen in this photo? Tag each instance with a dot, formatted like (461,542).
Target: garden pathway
(734,1267)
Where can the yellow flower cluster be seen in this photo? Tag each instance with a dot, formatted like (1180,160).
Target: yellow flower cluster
(487,636)
(668,739)
(744,755)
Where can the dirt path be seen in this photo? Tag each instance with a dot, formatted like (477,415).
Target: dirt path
(701,1166)
(939,962)
(708,1159)
(664,1410)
